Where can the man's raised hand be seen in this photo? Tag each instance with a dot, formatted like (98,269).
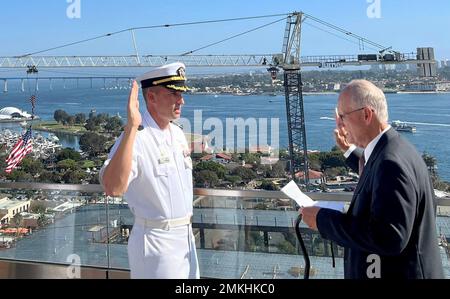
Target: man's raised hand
(134,116)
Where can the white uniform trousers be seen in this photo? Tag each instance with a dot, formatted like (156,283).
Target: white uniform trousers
(162,254)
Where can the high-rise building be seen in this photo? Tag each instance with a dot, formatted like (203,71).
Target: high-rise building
(426,69)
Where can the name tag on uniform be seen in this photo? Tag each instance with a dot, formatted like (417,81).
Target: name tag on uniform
(164,157)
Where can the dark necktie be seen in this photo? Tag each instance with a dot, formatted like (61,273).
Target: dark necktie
(362,162)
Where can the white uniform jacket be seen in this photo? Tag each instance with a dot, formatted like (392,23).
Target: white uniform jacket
(160,189)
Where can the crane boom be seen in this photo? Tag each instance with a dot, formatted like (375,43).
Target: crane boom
(251,60)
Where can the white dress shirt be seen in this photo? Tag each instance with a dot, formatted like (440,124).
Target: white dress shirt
(369,148)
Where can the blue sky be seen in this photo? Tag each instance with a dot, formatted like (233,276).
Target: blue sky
(35,25)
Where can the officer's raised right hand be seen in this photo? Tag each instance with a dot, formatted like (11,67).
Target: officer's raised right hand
(134,116)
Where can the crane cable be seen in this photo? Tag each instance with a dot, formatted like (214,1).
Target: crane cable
(149,27)
(338,36)
(346,32)
(231,37)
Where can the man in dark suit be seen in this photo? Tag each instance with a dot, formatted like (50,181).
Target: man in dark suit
(389,230)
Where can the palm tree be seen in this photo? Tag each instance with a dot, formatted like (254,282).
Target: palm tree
(17,222)
(431,162)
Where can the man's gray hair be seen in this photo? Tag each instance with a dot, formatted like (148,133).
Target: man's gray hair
(364,93)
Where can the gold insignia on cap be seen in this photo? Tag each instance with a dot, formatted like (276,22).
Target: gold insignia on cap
(179,88)
(176,78)
(181,72)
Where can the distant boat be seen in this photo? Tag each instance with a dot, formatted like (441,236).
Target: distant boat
(403,127)
(53,137)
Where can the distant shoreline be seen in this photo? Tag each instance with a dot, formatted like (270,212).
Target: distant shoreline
(423,92)
(57,131)
(42,127)
(19,120)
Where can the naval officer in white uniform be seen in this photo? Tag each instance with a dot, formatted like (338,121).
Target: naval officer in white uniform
(150,165)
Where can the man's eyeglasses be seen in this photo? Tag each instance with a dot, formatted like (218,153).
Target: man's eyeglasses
(343,115)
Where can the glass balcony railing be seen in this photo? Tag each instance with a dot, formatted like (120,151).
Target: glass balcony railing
(239,233)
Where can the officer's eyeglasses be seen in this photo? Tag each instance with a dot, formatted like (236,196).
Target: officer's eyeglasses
(343,115)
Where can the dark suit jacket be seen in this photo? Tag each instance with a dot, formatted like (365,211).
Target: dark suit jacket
(392,214)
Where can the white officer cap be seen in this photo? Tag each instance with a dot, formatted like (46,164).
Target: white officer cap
(172,76)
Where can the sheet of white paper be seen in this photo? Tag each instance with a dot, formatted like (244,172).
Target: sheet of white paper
(303,200)
(294,192)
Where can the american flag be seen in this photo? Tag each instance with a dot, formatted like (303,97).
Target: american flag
(33,103)
(23,147)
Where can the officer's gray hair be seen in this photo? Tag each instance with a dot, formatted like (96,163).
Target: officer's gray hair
(364,93)
(145,91)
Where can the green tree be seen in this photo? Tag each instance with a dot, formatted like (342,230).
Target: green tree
(332,159)
(215,167)
(87,164)
(251,158)
(19,176)
(233,179)
(60,115)
(113,124)
(17,220)
(49,177)
(68,153)
(80,118)
(32,166)
(92,125)
(430,162)
(68,164)
(315,161)
(73,177)
(206,178)
(70,120)
(278,170)
(92,143)
(245,173)
(102,118)
(268,185)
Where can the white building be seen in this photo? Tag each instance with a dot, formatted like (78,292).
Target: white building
(10,208)
(12,112)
